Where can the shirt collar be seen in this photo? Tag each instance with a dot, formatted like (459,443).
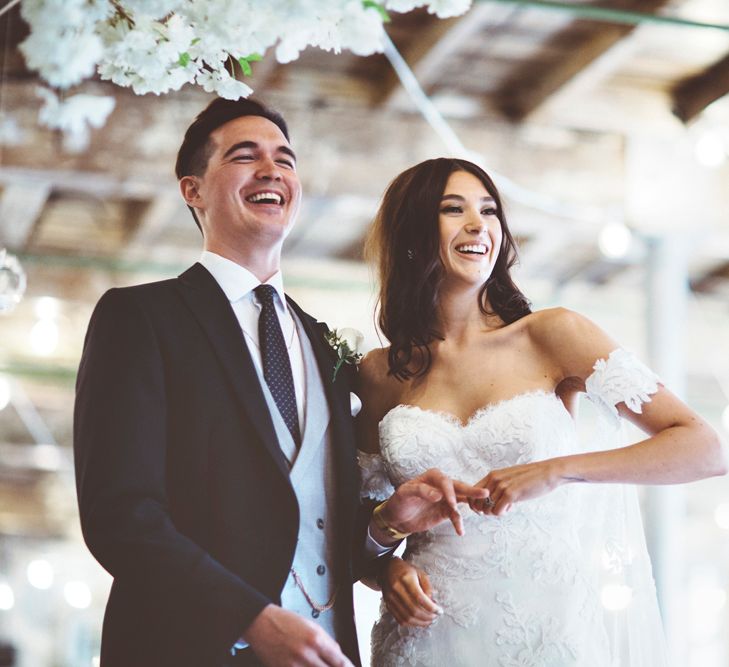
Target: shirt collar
(235,280)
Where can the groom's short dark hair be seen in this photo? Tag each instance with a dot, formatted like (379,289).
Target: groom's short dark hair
(196,148)
(193,156)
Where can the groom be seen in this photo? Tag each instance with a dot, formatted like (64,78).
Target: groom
(215,455)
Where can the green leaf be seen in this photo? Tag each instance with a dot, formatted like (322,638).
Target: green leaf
(194,41)
(245,66)
(254,58)
(184,60)
(372,4)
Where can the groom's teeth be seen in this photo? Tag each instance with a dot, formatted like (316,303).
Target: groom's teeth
(474,248)
(266,196)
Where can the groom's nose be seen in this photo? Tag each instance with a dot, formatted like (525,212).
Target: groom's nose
(268,170)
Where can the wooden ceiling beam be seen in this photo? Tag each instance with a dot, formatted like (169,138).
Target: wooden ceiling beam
(445,38)
(530,86)
(711,279)
(20,209)
(157,215)
(693,94)
(433,41)
(94,183)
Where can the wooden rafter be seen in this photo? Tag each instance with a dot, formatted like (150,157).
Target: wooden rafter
(582,43)
(445,38)
(20,208)
(693,94)
(711,279)
(415,46)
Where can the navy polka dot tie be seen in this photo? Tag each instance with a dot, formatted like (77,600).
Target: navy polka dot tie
(276,362)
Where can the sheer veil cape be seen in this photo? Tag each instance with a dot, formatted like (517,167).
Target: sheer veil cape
(612,530)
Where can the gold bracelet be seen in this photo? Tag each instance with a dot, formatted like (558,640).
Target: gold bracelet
(386,527)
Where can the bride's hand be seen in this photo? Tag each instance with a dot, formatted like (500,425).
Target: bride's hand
(408,595)
(522,482)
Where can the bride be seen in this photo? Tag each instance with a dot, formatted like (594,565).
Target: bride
(552,570)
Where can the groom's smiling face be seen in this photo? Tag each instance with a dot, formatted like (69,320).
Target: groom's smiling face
(250,190)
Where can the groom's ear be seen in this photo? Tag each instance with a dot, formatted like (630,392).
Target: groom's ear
(190,189)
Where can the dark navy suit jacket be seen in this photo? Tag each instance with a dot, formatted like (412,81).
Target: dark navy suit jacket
(183,491)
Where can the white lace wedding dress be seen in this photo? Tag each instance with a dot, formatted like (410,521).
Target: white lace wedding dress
(559,581)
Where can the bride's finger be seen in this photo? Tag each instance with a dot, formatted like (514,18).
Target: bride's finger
(502,504)
(397,609)
(415,615)
(415,611)
(481,505)
(465,491)
(419,597)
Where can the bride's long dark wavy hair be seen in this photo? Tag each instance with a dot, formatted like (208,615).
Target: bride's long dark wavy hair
(404,244)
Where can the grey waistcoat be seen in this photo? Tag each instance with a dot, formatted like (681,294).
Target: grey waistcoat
(312,476)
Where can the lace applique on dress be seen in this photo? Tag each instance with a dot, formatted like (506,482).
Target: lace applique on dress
(539,639)
(375,481)
(621,378)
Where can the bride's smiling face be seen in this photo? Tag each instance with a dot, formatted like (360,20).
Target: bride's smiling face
(470,230)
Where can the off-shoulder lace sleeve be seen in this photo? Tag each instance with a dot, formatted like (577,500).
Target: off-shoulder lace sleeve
(621,378)
(375,481)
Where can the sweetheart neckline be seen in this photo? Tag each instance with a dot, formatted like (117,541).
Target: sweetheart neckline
(450,418)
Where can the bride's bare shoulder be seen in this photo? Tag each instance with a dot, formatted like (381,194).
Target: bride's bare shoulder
(571,340)
(549,324)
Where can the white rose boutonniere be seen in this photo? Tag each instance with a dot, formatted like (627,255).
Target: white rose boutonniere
(345,343)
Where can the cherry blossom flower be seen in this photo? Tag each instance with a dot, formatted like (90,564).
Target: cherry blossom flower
(155,46)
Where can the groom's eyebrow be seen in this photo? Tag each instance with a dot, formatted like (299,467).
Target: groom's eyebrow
(252,145)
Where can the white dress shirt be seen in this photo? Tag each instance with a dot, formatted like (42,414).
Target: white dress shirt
(238,284)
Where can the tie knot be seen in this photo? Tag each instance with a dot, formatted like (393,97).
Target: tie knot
(264,294)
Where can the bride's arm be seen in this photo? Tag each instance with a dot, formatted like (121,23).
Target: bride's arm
(681,446)
(377,395)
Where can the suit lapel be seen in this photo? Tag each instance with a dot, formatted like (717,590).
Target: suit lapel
(337,394)
(211,308)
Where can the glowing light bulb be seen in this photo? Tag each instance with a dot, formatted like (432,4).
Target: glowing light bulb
(47,308)
(615,240)
(7,598)
(44,337)
(40,574)
(710,149)
(77,594)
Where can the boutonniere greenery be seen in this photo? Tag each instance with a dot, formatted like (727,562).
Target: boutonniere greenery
(345,343)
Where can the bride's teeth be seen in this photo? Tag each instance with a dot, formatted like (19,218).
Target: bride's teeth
(472,248)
